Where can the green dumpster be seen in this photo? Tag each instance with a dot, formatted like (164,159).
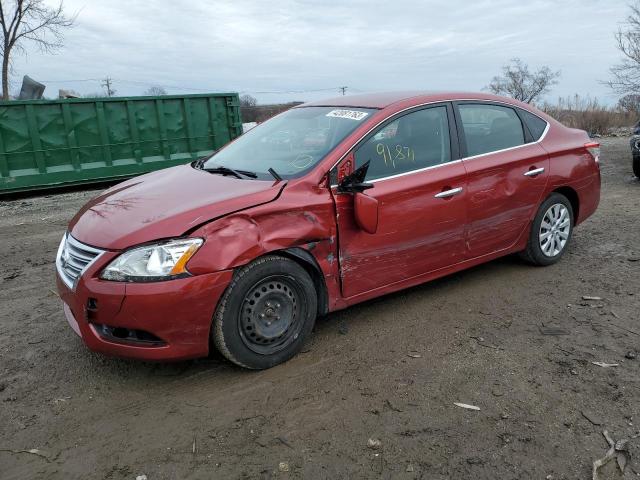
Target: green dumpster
(50,143)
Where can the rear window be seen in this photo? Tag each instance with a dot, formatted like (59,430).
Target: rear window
(535,124)
(489,128)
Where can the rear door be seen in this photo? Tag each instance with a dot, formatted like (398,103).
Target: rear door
(420,185)
(507,172)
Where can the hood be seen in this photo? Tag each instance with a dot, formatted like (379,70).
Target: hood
(163,204)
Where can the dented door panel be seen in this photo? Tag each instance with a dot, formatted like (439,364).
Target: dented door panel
(417,232)
(501,198)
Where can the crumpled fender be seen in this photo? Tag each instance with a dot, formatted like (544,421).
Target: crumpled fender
(300,218)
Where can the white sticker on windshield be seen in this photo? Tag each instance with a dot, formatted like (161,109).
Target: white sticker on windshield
(350,114)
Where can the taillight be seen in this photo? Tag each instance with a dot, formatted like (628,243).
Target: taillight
(594,149)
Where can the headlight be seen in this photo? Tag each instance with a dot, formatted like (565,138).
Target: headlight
(159,261)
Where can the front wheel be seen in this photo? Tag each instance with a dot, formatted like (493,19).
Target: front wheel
(266,313)
(550,232)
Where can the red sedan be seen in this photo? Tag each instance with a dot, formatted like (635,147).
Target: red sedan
(323,206)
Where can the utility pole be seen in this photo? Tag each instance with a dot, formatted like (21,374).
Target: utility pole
(107,84)
(343,89)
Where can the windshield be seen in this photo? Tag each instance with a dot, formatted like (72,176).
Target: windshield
(291,143)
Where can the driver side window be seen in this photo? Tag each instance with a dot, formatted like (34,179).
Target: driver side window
(414,141)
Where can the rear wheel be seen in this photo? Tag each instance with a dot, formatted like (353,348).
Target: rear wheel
(636,165)
(550,231)
(266,313)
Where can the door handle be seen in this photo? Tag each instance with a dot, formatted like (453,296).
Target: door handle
(449,193)
(534,173)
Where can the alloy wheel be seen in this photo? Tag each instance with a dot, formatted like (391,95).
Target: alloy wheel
(554,230)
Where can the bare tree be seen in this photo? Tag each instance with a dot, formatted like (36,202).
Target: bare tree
(29,20)
(630,103)
(107,84)
(155,91)
(248,101)
(626,74)
(518,82)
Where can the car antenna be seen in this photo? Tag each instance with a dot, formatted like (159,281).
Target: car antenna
(275,174)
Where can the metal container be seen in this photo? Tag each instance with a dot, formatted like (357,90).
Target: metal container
(50,143)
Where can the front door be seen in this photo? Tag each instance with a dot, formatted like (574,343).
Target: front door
(420,186)
(507,172)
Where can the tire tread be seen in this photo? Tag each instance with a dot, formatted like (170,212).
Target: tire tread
(529,253)
(218,318)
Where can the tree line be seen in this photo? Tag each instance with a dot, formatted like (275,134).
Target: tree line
(33,22)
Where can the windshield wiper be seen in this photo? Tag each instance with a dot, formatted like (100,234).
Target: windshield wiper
(223,171)
(229,171)
(247,173)
(274,174)
(199,162)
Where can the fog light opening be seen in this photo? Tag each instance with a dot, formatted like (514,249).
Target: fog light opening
(125,335)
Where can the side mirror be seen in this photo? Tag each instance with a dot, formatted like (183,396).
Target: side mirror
(365,209)
(355,183)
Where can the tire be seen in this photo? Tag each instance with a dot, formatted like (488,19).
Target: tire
(636,165)
(547,250)
(266,313)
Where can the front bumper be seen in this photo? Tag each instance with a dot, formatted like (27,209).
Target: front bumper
(177,314)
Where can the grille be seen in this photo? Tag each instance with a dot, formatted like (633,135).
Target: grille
(73,259)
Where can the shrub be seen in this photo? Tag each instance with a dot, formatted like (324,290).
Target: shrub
(586,113)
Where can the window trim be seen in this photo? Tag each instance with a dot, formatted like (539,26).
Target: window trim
(454,140)
(525,129)
(452,103)
(452,162)
(519,111)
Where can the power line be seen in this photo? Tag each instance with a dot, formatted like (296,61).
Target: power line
(70,81)
(110,81)
(290,91)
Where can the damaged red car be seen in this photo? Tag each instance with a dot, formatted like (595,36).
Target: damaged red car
(325,205)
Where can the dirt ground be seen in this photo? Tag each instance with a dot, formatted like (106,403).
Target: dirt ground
(388,370)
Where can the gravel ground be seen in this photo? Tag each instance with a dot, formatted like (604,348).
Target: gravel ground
(387,370)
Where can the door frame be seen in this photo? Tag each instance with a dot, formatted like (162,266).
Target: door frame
(454,138)
(462,139)
(348,156)
(529,140)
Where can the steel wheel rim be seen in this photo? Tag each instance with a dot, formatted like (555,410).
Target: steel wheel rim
(554,230)
(270,316)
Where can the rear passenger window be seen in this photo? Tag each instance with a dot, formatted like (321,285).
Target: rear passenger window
(488,128)
(535,124)
(414,141)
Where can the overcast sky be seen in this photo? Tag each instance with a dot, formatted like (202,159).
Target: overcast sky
(311,47)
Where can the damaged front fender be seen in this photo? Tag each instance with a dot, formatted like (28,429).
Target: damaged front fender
(298,221)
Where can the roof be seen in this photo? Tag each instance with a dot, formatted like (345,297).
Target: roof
(385,99)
